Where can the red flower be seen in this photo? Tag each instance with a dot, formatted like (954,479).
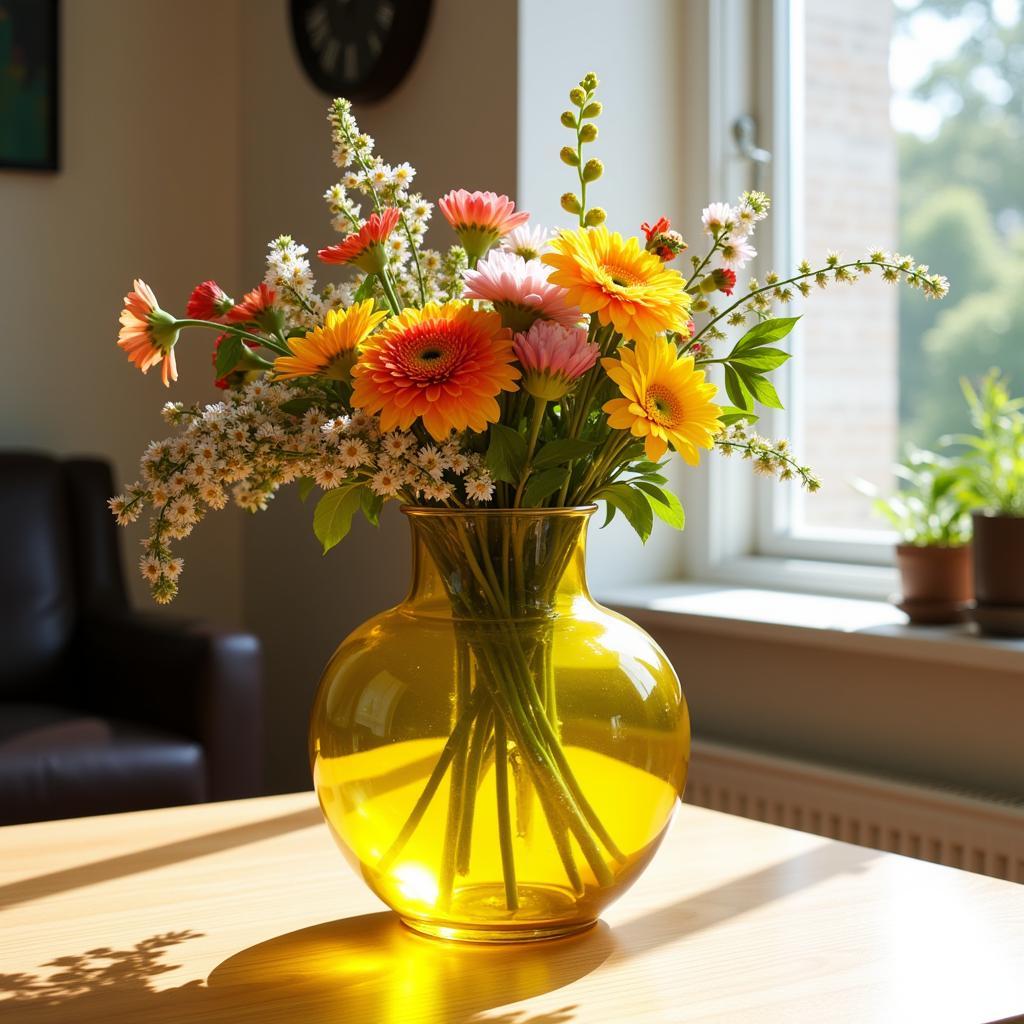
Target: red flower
(364,247)
(208,301)
(725,279)
(661,225)
(665,243)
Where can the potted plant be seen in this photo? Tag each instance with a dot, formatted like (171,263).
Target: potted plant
(993,485)
(933,524)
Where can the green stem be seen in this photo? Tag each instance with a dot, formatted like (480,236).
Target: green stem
(237,331)
(536,420)
(800,277)
(455,740)
(508,864)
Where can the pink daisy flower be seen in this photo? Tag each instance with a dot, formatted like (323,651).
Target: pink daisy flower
(519,291)
(365,247)
(480,218)
(736,253)
(148,334)
(553,357)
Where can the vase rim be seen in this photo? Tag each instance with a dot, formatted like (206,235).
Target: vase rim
(497,513)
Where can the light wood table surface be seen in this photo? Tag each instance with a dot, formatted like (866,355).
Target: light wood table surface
(245,912)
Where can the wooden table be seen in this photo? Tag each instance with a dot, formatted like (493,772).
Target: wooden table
(245,911)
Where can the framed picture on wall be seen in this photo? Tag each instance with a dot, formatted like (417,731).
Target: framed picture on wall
(29,84)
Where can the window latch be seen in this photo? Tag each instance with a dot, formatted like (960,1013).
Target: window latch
(744,131)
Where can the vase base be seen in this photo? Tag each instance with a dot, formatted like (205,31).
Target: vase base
(487,933)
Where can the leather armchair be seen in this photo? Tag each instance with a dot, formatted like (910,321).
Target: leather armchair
(102,708)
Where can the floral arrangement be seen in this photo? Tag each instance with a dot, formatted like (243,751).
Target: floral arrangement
(519,368)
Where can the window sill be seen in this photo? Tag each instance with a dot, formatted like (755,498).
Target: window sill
(841,623)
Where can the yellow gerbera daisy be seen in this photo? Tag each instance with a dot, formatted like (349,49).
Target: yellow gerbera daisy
(665,400)
(620,281)
(330,351)
(444,364)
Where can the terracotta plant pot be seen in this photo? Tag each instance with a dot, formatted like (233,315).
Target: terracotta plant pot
(999,574)
(936,582)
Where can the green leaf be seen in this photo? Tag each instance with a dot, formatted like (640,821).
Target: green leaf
(229,355)
(332,517)
(365,290)
(542,485)
(761,359)
(763,390)
(730,414)
(297,406)
(633,505)
(506,454)
(566,449)
(305,486)
(764,333)
(734,388)
(371,504)
(665,505)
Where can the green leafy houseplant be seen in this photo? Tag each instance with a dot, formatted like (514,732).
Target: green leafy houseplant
(992,477)
(993,485)
(934,527)
(928,509)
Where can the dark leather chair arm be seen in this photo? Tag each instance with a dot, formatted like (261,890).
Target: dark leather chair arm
(186,678)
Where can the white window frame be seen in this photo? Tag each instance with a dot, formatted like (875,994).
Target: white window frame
(739,533)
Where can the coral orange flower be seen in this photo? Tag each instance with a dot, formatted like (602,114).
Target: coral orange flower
(258,307)
(330,351)
(625,285)
(480,218)
(664,400)
(209,301)
(365,247)
(443,364)
(148,334)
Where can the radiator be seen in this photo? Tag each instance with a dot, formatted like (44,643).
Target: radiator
(946,826)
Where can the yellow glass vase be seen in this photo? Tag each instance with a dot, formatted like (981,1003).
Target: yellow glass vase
(499,755)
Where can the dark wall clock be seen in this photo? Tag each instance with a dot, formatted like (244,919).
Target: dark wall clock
(360,49)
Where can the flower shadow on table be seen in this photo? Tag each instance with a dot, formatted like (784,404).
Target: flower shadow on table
(369,968)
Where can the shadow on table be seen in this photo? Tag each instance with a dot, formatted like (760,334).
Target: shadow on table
(371,968)
(155,857)
(361,969)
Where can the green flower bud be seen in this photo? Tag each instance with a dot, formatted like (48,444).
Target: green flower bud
(570,203)
(594,217)
(577,96)
(569,156)
(588,133)
(590,81)
(592,109)
(592,170)
(568,119)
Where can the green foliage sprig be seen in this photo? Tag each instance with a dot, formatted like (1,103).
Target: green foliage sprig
(928,510)
(993,465)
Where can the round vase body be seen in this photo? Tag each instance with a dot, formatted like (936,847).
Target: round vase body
(499,755)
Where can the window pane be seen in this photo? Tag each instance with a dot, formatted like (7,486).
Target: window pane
(911,139)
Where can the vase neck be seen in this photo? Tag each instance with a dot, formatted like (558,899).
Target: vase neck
(498,564)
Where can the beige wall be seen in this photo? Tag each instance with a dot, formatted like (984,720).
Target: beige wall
(147,187)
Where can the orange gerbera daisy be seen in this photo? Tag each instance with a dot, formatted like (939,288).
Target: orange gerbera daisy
(443,364)
(148,334)
(330,351)
(365,247)
(664,399)
(621,282)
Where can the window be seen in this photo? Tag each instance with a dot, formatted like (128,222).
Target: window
(897,125)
